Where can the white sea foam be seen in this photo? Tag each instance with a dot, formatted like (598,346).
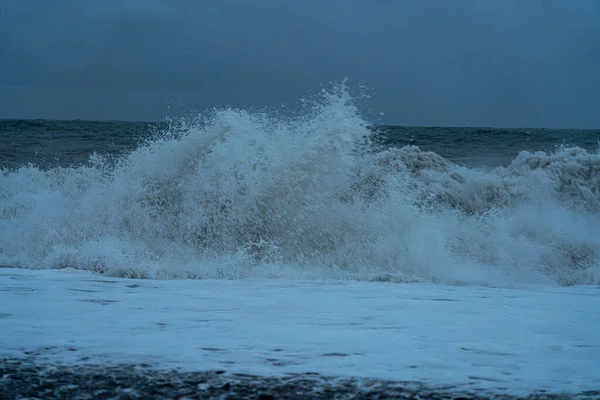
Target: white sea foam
(466,340)
(240,195)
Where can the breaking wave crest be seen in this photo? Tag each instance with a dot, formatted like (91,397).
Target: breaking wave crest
(250,195)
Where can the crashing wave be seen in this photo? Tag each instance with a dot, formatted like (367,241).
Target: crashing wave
(241,195)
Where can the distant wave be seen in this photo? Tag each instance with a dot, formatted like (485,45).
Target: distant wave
(249,195)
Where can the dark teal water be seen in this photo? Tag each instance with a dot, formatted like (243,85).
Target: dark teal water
(486,146)
(48,144)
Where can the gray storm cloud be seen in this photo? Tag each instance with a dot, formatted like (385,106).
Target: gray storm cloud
(474,63)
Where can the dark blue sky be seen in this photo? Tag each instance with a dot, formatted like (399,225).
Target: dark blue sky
(533,63)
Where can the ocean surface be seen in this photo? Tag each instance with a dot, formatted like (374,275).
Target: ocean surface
(323,194)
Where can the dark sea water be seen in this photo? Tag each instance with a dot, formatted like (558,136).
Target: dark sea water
(48,144)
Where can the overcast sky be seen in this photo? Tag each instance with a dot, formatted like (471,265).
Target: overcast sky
(528,63)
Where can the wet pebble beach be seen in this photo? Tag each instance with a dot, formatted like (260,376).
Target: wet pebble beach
(25,379)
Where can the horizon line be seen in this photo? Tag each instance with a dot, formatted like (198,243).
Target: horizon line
(370,125)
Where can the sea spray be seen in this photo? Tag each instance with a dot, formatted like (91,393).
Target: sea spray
(239,194)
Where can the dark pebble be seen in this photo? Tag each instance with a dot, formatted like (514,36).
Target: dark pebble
(21,378)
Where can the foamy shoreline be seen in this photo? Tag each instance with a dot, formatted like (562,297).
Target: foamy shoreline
(495,340)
